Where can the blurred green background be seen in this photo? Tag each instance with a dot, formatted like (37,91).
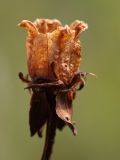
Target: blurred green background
(96,108)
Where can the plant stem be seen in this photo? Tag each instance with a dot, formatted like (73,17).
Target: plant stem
(50,135)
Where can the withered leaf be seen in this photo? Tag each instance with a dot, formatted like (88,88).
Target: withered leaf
(64,110)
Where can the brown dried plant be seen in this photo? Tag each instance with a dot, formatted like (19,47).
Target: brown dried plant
(53,59)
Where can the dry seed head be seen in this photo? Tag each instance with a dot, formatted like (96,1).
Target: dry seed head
(49,42)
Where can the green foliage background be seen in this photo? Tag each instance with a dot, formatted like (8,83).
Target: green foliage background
(96,108)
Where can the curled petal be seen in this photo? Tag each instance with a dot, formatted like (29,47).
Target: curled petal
(32,29)
(78,26)
(46,25)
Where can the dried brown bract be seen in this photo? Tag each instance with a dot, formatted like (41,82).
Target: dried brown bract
(53,58)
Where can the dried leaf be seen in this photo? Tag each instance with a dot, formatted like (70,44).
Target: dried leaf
(64,110)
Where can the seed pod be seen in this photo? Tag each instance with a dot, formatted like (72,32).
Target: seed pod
(53,49)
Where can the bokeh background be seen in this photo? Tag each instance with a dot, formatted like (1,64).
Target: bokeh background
(96,108)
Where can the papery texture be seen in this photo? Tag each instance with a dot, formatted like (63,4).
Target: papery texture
(48,42)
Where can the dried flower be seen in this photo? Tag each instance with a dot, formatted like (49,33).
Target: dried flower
(53,58)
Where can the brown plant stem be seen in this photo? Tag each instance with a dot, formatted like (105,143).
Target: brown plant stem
(50,136)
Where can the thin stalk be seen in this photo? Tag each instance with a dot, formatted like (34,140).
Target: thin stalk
(50,136)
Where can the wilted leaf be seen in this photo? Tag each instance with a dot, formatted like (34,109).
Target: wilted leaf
(64,110)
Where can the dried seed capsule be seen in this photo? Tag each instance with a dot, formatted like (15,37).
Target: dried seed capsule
(50,43)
